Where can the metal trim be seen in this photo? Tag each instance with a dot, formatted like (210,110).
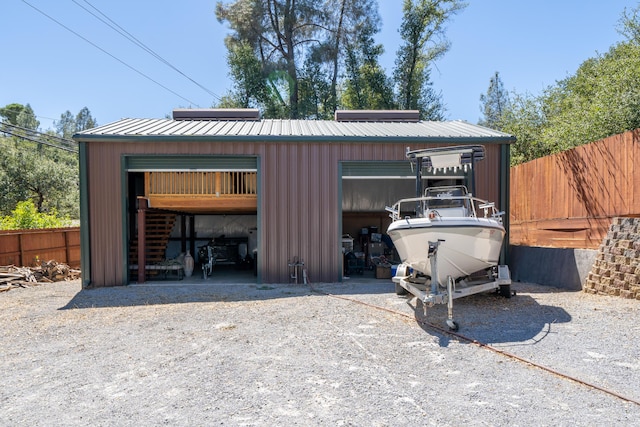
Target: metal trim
(85,228)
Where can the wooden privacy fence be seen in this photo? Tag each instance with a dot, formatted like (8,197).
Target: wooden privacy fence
(569,199)
(30,247)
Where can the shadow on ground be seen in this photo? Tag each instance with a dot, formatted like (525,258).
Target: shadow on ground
(174,293)
(237,287)
(488,317)
(492,319)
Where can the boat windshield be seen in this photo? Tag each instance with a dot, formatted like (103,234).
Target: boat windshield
(445,197)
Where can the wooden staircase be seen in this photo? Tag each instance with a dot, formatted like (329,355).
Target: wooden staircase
(158,229)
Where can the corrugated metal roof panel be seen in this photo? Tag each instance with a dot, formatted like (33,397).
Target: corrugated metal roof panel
(300,129)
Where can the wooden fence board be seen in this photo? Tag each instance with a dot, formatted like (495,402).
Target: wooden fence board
(27,247)
(569,199)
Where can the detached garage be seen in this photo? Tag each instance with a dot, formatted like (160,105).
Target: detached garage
(264,192)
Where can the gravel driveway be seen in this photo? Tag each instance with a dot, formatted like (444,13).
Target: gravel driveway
(283,355)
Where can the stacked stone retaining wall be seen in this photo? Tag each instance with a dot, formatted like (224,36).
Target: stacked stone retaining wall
(616,270)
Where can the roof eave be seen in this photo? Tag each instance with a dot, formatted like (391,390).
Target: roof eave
(506,139)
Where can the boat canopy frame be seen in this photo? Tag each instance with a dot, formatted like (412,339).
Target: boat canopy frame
(444,158)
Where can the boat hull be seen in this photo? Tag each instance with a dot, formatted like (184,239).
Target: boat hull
(467,245)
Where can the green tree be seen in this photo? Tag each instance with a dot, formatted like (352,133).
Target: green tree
(84,120)
(246,74)
(629,24)
(494,103)
(525,119)
(422,32)
(48,178)
(287,57)
(69,124)
(277,30)
(26,216)
(10,113)
(27,118)
(66,126)
(367,85)
(316,98)
(601,99)
(346,23)
(20,115)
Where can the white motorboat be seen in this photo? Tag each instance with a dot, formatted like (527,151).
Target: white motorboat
(445,234)
(467,242)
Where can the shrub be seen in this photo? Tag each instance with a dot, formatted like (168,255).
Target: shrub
(25,215)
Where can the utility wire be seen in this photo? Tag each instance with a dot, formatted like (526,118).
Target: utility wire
(111,55)
(35,132)
(124,33)
(38,141)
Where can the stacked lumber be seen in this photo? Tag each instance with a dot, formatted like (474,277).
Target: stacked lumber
(22,277)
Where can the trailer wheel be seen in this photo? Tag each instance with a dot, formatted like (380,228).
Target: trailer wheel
(453,325)
(400,290)
(505,291)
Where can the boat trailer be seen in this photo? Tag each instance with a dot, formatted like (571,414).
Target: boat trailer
(407,281)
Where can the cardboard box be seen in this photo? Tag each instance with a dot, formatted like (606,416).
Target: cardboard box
(383,272)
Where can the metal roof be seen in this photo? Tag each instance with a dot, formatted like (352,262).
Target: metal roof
(292,130)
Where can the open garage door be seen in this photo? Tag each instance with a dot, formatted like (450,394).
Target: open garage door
(366,189)
(191,203)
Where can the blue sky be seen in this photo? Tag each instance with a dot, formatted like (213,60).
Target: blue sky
(531,43)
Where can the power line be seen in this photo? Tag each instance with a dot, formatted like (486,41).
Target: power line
(39,137)
(124,33)
(71,150)
(32,131)
(111,55)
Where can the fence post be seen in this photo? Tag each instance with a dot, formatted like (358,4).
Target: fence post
(67,249)
(20,261)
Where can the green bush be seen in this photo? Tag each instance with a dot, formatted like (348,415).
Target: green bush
(25,215)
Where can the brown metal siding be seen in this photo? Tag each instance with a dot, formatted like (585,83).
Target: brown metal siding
(488,176)
(298,193)
(105,223)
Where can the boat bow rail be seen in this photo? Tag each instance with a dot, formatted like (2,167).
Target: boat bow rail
(436,207)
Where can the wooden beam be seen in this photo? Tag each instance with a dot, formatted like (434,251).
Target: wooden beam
(142,226)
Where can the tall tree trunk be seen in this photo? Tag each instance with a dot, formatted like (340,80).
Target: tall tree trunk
(336,56)
(290,56)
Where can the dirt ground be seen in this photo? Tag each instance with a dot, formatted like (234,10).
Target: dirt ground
(349,354)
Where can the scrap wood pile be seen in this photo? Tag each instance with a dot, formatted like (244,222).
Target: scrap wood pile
(21,277)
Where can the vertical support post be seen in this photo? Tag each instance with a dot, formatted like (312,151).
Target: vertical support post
(433,259)
(505,191)
(20,248)
(419,185)
(183,233)
(218,184)
(67,247)
(472,176)
(142,226)
(192,234)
